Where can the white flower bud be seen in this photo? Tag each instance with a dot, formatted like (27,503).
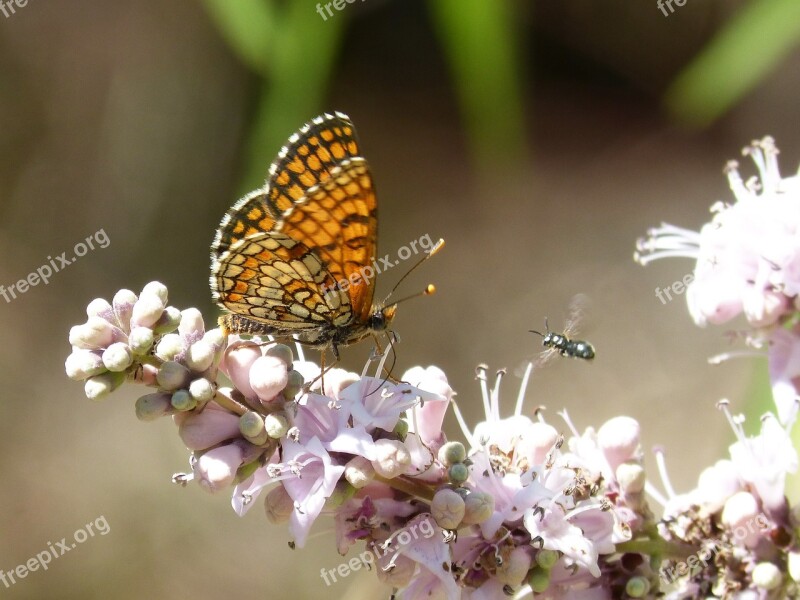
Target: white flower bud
(146,311)
(794,565)
(283,352)
(169,346)
(214,338)
(152,406)
(100,386)
(123,302)
(201,390)
(359,472)
(172,376)
(740,516)
(392,458)
(619,440)
(192,325)
(82,364)
(99,307)
(216,469)
(94,334)
(631,477)
(767,576)
(157,289)
(200,356)
(117,357)
(447,509)
(478,507)
(268,376)
(140,340)
(168,321)
(208,428)
(276,425)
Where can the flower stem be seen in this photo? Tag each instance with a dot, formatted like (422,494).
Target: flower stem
(407,486)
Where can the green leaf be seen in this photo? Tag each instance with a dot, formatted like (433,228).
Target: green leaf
(482,46)
(757,38)
(305,51)
(249,28)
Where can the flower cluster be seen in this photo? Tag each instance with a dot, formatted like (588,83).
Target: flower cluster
(520,505)
(739,530)
(517,507)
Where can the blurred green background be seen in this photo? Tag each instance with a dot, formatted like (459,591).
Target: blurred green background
(539,138)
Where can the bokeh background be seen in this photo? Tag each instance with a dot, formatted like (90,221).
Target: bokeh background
(539,138)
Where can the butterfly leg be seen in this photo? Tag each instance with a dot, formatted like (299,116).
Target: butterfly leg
(323,369)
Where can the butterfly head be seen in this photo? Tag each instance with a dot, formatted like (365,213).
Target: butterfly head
(382,317)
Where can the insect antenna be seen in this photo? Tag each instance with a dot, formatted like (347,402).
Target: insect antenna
(428,290)
(546,328)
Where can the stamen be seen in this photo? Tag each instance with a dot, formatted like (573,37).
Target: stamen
(522,388)
(565,416)
(662,471)
(495,398)
(654,493)
(463,424)
(480,374)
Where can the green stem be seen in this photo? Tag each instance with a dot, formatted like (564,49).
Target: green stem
(408,486)
(229,403)
(657,547)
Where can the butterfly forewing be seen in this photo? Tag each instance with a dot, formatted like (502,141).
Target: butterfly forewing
(339,224)
(291,257)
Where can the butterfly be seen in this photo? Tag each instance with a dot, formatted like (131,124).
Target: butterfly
(292,258)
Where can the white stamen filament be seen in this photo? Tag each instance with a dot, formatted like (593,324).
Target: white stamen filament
(480,373)
(522,388)
(662,472)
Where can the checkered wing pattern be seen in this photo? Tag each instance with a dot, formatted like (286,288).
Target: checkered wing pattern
(305,162)
(280,251)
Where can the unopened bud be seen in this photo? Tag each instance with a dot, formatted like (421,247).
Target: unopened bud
(392,458)
(276,425)
(452,453)
(152,406)
(447,509)
(117,357)
(359,472)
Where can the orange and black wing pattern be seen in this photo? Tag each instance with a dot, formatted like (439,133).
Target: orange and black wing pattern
(281,251)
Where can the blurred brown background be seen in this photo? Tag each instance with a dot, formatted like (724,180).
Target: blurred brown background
(138,118)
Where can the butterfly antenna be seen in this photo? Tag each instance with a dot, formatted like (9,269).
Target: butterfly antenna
(428,290)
